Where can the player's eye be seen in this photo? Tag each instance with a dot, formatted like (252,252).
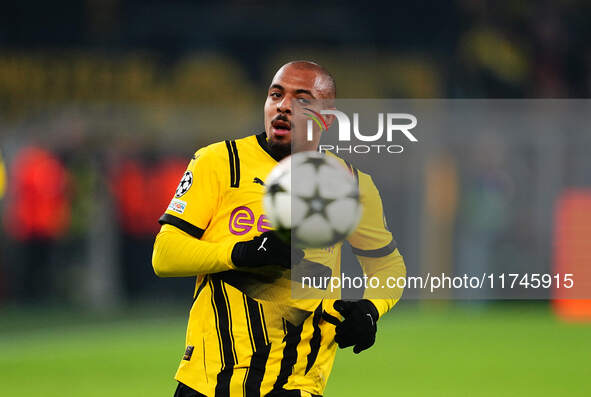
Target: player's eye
(303,101)
(275,95)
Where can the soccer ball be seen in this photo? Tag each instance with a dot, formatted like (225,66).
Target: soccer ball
(312,199)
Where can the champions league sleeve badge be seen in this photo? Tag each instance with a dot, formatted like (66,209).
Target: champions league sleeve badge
(185,184)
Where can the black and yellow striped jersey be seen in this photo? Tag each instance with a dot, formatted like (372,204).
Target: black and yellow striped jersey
(247,336)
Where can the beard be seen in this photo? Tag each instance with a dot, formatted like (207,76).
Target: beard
(279,149)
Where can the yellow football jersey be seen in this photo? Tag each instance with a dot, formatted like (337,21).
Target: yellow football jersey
(246,335)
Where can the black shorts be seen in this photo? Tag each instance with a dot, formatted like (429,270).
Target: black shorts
(185,391)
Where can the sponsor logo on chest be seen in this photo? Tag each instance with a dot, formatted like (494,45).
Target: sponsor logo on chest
(243,220)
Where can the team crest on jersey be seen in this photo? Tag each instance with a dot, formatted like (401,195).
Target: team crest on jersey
(185,184)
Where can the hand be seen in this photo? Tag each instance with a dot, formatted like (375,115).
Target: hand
(359,326)
(263,250)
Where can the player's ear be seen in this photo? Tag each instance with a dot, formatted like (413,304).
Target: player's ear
(329,119)
(328,104)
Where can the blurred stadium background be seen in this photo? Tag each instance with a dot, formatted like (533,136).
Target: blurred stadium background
(102,102)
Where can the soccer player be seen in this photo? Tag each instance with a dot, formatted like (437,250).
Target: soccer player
(239,342)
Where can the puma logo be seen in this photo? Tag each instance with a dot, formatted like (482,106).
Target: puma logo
(263,245)
(259,181)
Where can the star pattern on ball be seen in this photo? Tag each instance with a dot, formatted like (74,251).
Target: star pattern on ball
(275,188)
(185,184)
(316,204)
(316,161)
(322,197)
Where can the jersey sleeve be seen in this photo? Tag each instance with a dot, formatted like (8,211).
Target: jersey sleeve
(197,196)
(372,237)
(375,248)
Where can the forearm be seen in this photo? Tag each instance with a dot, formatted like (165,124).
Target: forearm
(387,270)
(177,254)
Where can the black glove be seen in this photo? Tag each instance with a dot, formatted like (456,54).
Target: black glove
(359,326)
(263,250)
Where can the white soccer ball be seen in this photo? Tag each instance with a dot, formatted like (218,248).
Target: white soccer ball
(312,199)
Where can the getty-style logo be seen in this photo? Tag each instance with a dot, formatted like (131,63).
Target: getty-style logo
(389,124)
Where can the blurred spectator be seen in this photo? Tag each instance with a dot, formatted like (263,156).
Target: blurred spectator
(484,207)
(2,177)
(143,189)
(2,189)
(37,214)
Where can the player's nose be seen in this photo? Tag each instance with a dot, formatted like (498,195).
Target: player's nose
(284,105)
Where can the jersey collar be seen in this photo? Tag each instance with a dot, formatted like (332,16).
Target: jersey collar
(262,139)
